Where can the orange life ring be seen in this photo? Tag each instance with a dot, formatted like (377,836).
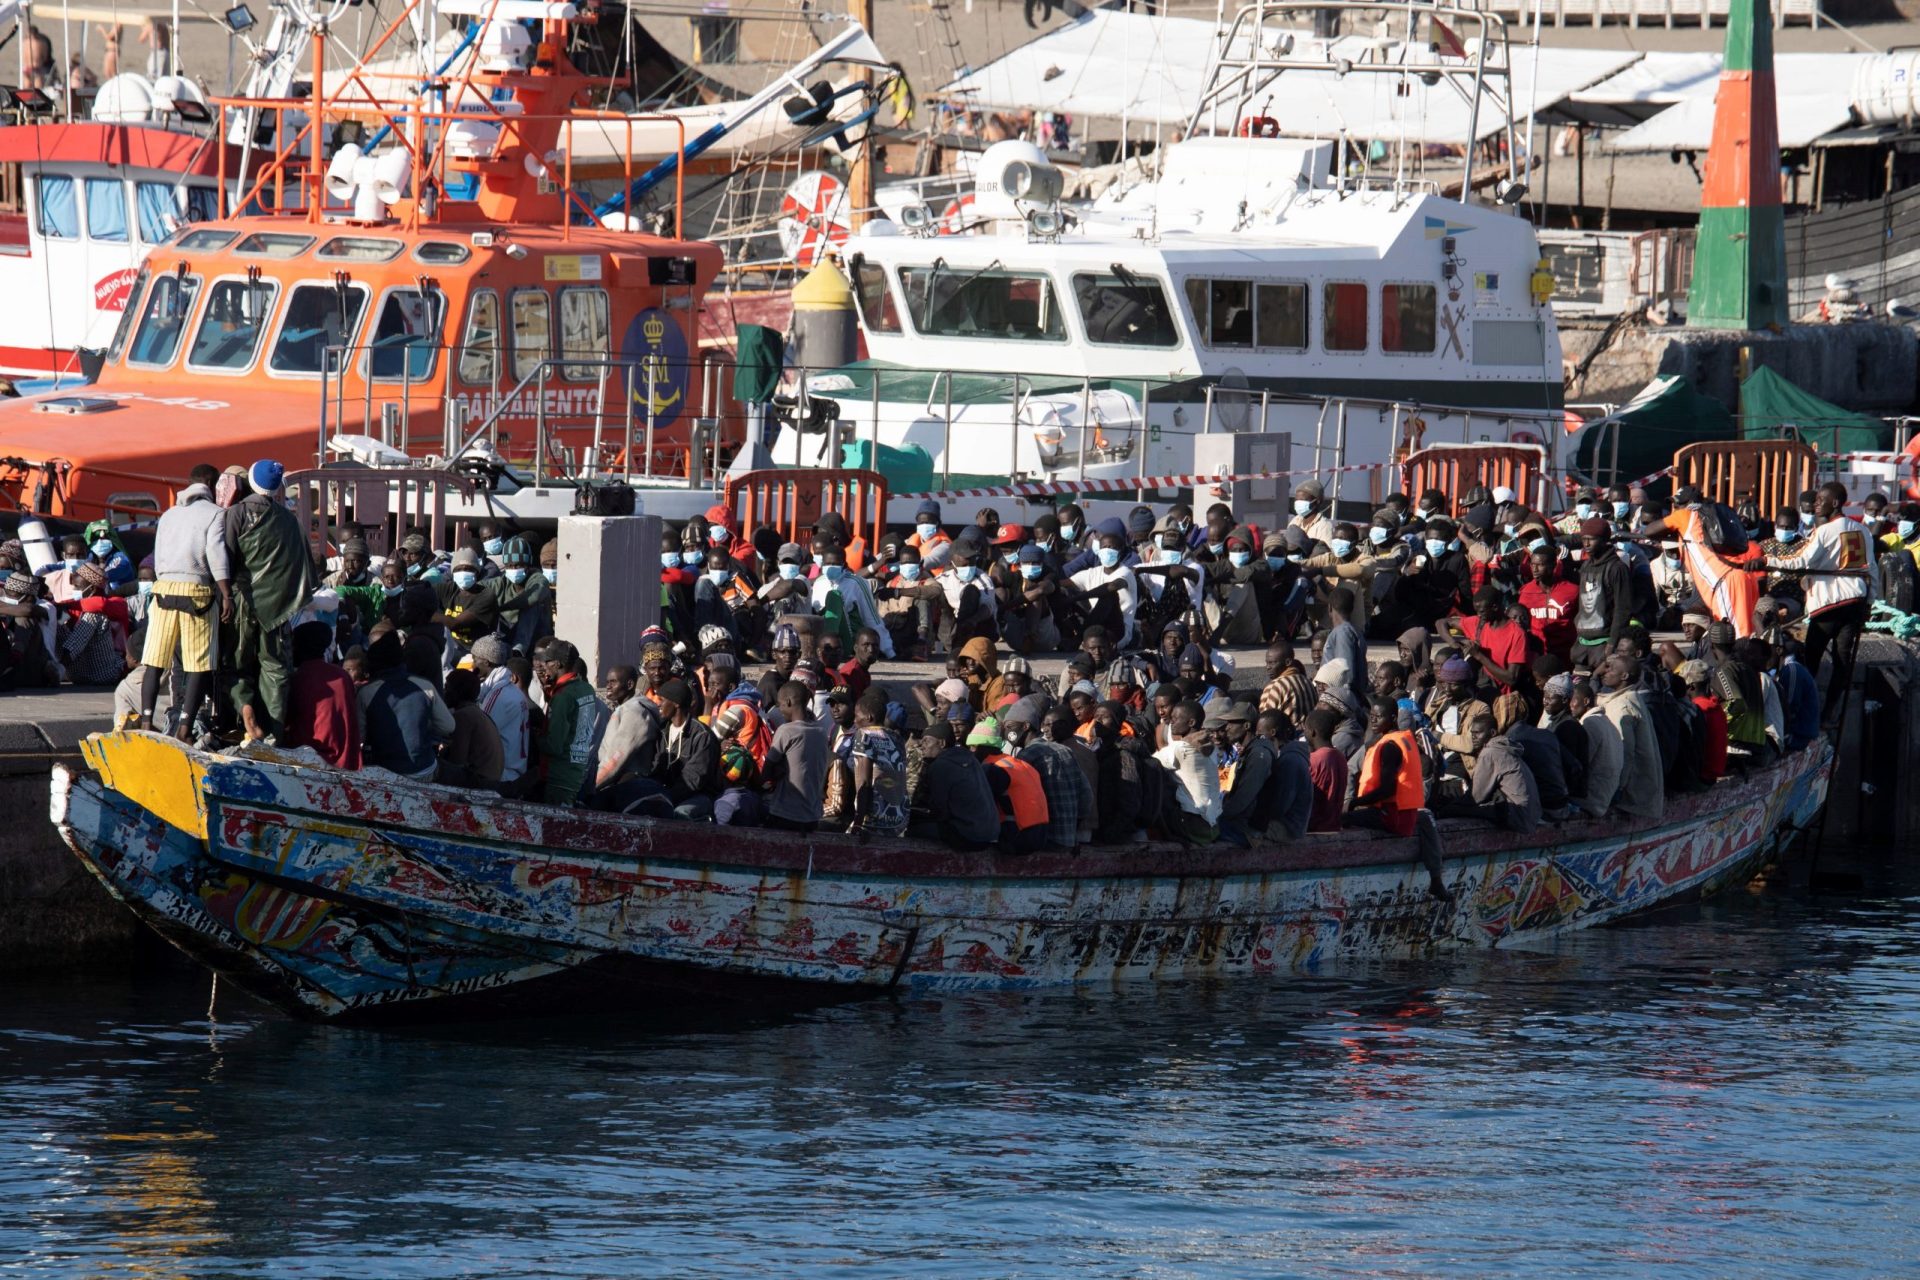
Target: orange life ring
(1259,127)
(953,219)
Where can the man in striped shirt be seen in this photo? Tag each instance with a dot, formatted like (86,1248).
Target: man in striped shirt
(1287,690)
(1842,579)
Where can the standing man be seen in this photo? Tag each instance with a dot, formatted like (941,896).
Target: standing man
(190,567)
(507,707)
(573,721)
(1605,607)
(799,796)
(1841,580)
(272,578)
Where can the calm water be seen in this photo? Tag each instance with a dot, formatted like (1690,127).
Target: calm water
(1731,1092)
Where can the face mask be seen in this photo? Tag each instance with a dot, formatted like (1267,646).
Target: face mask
(516,576)
(1583,510)
(1428,510)
(1045,544)
(1183,526)
(103,548)
(1216,547)
(73,564)
(494,546)
(1537,544)
(1905,527)
(1109,556)
(144,588)
(1620,510)
(1436,548)
(967,572)
(551,575)
(1377,534)
(1069,531)
(1275,562)
(1168,555)
(717,536)
(1341,547)
(465,578)
(1510,529)
(910,571)
(415,570)
(1239,558)
(1301,506)
(1031,571)
(718,577)
(669,559)
(693,559)
(1673,556)
(1010,557)
(834,572)
(789,571)
(391,591)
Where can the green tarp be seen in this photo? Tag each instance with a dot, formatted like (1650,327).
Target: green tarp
(1771,407)
(1666,414)
(757,369)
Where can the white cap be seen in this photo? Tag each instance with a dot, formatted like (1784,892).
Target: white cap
(1503,495)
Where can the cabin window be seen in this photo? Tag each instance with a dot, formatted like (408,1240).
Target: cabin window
(1280,316)
(532,331)
(1230,313)
(1407,314)
(1125,310)
(480,353)
(441,252)
(203,204)
(163,320)
(13,196)
(127,314)
(274,244)
(59,207)
(143,507)
(232,324)
(877,307)
(319,316)
(958,302)
(360,249)
(107,210)
(406,335)
(159,210)
(207,238)
(1343,316)
(584,333)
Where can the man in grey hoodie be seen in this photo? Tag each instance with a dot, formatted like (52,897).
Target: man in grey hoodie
(191,567)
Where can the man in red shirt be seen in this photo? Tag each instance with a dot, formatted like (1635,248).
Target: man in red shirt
(1713,719)
(323,711)
(1327,770)
(1550,601)
(1494,641)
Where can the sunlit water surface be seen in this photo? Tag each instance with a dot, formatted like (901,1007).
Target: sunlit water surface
(1726,1092)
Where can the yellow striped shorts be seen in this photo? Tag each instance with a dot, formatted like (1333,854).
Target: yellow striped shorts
(191,633)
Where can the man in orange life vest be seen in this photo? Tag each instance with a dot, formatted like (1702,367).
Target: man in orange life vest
(1392,794)
(1016,786)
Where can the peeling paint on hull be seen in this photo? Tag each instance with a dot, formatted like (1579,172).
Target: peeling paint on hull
(336,894)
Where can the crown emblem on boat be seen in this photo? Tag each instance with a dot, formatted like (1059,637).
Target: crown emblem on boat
(655,329)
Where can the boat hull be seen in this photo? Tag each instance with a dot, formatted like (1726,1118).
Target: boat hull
(393,893)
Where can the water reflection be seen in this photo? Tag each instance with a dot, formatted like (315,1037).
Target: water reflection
(1673,1093)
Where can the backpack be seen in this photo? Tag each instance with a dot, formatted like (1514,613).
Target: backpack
(1722,528)
(1900,581)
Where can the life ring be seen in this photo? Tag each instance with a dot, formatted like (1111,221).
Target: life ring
(1259,127)
(954,218)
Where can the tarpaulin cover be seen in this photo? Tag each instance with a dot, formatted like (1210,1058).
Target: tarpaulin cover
(1666,414)
(1772,407)
(760,357)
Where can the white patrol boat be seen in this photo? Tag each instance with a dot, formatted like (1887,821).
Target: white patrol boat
(1258,284)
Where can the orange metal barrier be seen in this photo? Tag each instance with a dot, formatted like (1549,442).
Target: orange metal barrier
(792,501)
(337,503)
(1455,468)
(1772,472)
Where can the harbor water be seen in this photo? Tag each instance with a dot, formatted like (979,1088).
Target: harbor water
(1729,1090)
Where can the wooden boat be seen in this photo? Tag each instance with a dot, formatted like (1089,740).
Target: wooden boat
(338,895)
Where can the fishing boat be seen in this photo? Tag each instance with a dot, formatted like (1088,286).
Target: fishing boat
(419,275)
(1256,282)
(356,895)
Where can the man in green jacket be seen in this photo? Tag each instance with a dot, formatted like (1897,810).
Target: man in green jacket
(272,579)
(575,716)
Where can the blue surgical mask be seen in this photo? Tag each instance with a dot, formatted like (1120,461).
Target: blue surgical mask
(73,564)
(103,548)
(1069,531)
(391,591)
(669,559)
(1239,558)
(495,546)
(516,576)
(144,588)
(1301,506)
(1583,510)
(1510,529)
(693,559)
(465,578)
(1620,510)
(1109,556)
(1340,546)
(1536,544)
(1045,544)
(718,577)
(910,570)
(1169,555)
(1216,547)
(1436,548)
(926,531)
(551,575)
(718,536)
(1031,571)
(1276,562)
(1378,534)
(1454,545)
(967,572)
(834,572)
(415,570)
(1905,528)
(790,571)
(1010,557)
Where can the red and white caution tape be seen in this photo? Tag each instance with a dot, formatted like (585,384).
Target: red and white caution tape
(1050,488)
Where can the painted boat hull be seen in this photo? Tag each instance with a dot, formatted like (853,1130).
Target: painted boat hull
(338,895)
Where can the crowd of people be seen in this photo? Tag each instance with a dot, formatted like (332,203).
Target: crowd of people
(1526,685)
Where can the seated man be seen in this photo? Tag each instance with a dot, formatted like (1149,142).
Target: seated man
(956,804)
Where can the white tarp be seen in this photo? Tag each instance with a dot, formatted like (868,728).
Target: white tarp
(1153,70)
(1812,96)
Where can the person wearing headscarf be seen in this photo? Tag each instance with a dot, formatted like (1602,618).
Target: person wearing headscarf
(1416,655)
(1455,707)
(103,543)
(94,646)
(1334,689)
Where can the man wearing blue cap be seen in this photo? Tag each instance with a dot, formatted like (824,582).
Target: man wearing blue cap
(272,578)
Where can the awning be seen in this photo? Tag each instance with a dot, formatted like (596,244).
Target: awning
(1153,69)
(1812,90)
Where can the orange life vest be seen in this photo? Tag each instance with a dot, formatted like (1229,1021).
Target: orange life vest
(1410,792)
(1024,792)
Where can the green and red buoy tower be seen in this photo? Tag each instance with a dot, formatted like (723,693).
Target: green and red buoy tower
(1740,253)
